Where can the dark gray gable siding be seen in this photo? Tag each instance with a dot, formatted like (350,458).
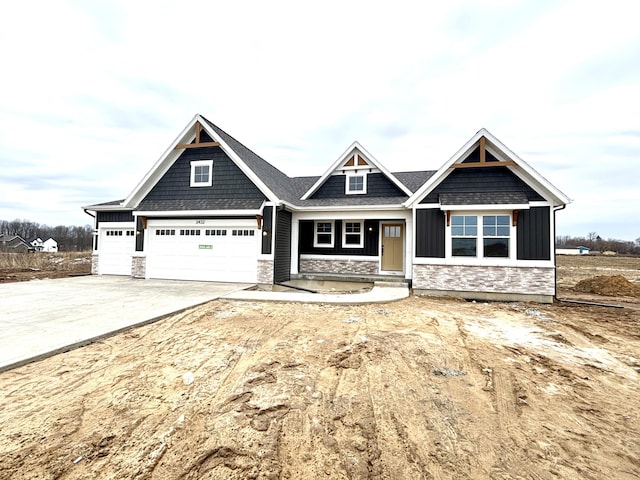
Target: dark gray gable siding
(534,234)
(231,188)
(371,240)
(282,258)
(378,185)
(116,216)
(430,233)
(482,180)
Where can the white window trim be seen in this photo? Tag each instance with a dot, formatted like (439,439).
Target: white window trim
(355,173)
(332,233)
(360,244)
(479,258)
(200,163)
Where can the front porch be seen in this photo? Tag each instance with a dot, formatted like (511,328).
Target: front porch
(386,280)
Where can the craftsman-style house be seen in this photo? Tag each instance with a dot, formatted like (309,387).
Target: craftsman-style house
(482,226)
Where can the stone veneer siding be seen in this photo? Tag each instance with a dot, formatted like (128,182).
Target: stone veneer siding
(138,266)
(477,278)
(339,266)
(265,271)
(94,263)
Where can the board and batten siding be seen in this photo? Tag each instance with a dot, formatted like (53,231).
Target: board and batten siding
(282,258)
(430,233)
(534,234)
(482,180)
(371,240)
(267,228)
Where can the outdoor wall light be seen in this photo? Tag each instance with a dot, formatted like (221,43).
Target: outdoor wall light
(265,233)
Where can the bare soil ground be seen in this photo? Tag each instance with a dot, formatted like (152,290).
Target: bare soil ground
(424,388)
(573,270)
(19,267)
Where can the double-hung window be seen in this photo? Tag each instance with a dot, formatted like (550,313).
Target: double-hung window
(323,234)
(464,235)
(481,236)
(495,235)
(201,173)
(352,235)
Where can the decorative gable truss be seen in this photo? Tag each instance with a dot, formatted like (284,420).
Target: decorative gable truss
(197,134)
(355,165)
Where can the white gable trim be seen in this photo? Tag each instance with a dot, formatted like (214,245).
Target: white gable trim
(355,146)
(499,150)
(170,155)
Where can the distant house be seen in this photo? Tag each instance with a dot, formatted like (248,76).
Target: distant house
(14,244)
(37,244)
(481,226)
(572,250)
(50,245)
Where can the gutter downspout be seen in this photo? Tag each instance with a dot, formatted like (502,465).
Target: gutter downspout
(95,228)
(555,267)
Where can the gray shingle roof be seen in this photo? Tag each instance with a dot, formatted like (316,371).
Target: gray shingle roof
(353,200)
(291,189)
(483,198)
(274,179)
(414,180)
(201,204)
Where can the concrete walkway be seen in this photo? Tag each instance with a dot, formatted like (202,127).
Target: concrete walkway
(41,318)
(375,295)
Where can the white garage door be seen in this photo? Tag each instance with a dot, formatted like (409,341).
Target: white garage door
(116,245)
(220,254)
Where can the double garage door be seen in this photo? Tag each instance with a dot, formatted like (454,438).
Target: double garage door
(208,253)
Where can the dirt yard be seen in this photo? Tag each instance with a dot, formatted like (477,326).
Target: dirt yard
(419,389)
(20,267)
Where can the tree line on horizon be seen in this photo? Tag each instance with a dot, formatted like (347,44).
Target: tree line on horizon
(596,243)
(71,238)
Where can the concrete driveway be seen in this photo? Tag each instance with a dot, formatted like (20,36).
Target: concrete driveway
(43,317)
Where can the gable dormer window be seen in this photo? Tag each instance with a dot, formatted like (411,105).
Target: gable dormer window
(356,183)
(201,173)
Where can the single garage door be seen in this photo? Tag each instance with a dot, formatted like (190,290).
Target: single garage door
(116,245)
(220,254)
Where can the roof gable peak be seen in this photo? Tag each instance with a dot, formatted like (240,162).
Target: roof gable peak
(491,153)
(194,135)
(355,158)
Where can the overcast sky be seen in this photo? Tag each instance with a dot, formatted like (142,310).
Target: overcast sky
(94,92)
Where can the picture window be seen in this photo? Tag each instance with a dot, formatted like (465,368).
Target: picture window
(201,173)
